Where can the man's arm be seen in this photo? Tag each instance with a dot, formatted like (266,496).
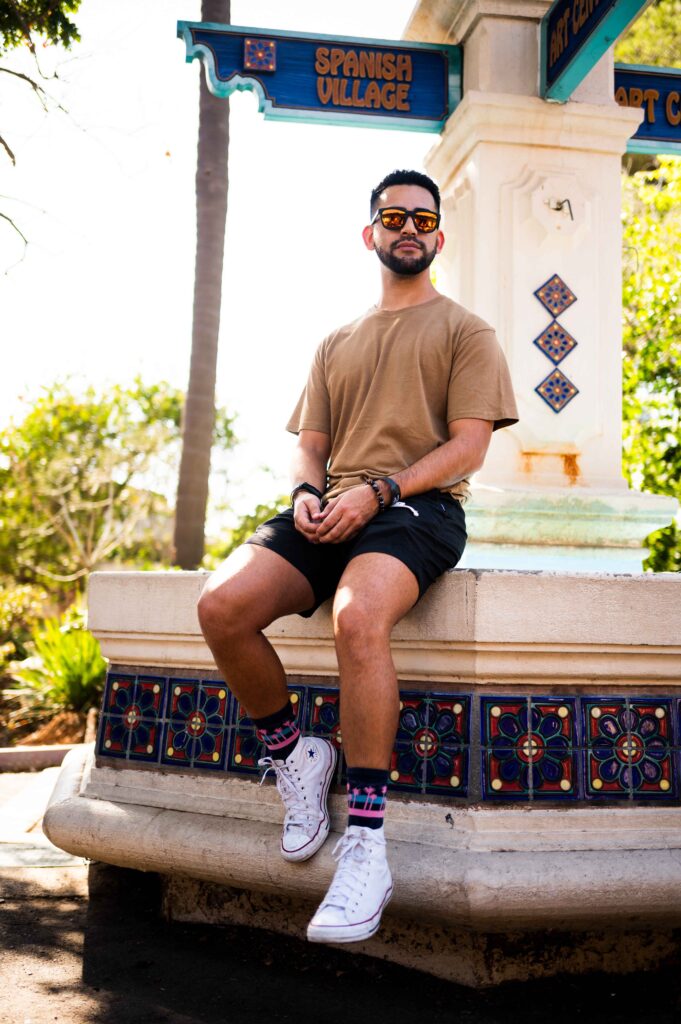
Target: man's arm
(308,465)
(462,455)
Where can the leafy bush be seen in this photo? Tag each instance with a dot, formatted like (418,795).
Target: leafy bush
(21,608)
(66,672)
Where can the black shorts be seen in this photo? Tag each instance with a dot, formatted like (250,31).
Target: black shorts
(427,532)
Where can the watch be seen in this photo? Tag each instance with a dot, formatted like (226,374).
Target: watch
(310,488)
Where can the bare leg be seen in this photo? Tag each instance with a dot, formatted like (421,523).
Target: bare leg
(245,594)
(375,592)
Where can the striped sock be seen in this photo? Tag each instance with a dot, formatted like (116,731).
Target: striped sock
(279,732)
(367,789)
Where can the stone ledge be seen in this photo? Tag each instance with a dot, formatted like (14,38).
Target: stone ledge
(490,892)
(473,626)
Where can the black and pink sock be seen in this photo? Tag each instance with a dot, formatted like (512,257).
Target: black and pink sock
(279,732)
(367,790)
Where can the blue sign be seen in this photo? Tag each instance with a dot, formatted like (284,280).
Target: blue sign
(658,92)
(330,80)
(574,36)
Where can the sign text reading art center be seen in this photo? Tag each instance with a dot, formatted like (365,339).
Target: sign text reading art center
(324,79)
(574,36)
(658,92)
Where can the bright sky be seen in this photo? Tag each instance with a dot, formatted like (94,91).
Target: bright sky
(105,195)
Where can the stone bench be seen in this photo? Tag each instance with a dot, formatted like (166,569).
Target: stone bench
(535,819)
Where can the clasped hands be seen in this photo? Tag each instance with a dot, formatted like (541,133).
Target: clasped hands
(339,520)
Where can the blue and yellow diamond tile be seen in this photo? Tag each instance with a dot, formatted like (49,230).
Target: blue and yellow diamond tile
(555,296)
(628,748)
(557,390)
(555,342)
(260,55)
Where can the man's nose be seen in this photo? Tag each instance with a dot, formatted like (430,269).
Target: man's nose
(409,227)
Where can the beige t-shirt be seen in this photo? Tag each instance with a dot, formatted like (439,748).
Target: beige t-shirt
(385,387)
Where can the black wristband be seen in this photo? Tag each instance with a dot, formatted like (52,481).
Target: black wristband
(377,491)
(395,492)
(310,488)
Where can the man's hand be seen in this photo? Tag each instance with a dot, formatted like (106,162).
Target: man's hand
(306,510)
(345,515)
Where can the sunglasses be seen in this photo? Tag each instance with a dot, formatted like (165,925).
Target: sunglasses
(395,217)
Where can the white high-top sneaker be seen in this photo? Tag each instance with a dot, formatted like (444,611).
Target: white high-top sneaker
(303,781)
(361,888)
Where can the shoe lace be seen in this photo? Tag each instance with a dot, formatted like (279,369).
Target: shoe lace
(297,809)
(353,852)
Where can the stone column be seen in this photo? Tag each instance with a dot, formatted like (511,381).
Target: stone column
(531,195)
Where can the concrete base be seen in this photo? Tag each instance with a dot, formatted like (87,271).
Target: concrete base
(579,529)
(450,952)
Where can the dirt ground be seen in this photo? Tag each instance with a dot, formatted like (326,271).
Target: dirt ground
(86,944)
(109,959)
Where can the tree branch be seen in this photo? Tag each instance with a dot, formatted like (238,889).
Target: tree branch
(9,152)
(37,89)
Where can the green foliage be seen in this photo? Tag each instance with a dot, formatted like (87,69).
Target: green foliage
(21,20)
(66,671)
(86,477)
(21,608)
(652,343)
(654,38)
(217,551)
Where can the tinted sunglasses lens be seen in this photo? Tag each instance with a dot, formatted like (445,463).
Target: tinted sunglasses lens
(393,220)
(425,222)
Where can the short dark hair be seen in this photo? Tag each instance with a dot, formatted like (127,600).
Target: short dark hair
(405,178)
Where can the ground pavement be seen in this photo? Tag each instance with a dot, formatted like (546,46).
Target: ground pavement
(109,958)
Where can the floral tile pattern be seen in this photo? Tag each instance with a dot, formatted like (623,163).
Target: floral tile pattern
(555,342)
(260,55)
(194,733)
(531,748)
(130,725)
(555,296)
(557,390)
(628,752)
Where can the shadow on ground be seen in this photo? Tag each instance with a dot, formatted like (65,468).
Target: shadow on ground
(112,959)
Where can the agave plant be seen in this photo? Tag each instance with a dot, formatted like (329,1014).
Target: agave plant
(66,672)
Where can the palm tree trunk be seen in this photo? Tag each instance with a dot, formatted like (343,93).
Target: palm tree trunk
(199,411)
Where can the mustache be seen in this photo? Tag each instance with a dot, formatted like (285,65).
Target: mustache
(411,241)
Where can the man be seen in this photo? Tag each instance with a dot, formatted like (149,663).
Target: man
(398,411)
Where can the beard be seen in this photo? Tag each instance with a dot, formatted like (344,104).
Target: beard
(407,266)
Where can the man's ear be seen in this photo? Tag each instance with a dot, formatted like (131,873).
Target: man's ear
(440,242)
(368,236)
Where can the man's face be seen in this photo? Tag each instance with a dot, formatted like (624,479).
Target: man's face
(406,252)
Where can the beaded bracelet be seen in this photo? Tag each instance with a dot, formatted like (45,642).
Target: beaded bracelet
(377,491)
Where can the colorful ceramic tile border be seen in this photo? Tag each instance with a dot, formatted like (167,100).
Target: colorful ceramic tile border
(531,748)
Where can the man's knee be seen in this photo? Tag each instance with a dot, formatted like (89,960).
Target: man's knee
(222,613)
(357,624)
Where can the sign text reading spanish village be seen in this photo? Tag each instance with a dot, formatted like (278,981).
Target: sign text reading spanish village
(323,79)
(574,36)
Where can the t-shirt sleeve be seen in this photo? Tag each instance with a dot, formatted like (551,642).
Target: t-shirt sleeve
(312,411)
(480,383)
